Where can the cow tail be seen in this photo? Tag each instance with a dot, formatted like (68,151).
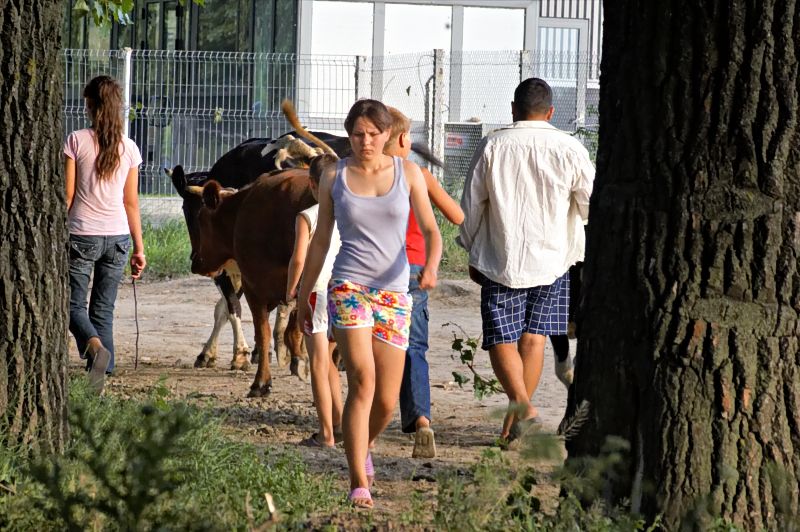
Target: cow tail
(291,116)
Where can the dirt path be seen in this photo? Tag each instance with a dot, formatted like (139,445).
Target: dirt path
(175,319)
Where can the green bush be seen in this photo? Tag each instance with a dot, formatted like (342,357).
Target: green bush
(154,465)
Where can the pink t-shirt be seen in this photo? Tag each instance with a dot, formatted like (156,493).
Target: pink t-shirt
(97,207)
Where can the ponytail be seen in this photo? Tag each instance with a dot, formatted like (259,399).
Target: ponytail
(104,101)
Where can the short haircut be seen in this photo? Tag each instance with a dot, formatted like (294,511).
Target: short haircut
(372,110)
(400,124)
(318,166)
(533,97)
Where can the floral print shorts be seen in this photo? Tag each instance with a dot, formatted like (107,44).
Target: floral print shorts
(353,305)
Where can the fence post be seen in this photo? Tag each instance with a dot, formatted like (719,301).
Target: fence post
(525,65)
(438,106)
(126,90)
(581,81)
(361,62)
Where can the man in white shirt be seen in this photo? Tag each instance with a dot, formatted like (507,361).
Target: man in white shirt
(526,198)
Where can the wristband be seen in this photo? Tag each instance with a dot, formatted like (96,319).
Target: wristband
(137,255)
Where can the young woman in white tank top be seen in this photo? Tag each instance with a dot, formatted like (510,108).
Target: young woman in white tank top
(369,307)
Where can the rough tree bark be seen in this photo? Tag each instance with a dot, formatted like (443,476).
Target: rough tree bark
(33,235)
(689,337)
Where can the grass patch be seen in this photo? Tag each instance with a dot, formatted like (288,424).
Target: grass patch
(168,248)
(154,465)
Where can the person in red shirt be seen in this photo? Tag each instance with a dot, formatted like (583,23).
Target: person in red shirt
(415,390)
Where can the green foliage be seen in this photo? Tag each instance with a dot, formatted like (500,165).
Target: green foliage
(465,347)
(154,465)
(107,11)
(589,135)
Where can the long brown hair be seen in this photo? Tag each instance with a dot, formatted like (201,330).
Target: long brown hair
(104,101)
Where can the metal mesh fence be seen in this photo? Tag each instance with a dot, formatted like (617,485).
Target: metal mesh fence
(191,107)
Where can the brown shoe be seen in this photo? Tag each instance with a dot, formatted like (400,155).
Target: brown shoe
(424,443)
(97,374)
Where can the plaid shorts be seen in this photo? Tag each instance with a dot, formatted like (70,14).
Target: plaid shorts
(388,314)
(507,313)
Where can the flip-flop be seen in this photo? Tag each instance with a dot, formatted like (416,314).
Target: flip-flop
(312,441)
(518,428)
(370,470)
(424,443)
(360,498)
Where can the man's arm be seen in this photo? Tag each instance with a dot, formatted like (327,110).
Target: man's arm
(584,182)
(473,199)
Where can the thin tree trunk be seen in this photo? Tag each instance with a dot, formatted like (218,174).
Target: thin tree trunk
(689,335)
(33,260)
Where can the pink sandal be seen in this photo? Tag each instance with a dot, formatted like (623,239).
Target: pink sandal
(370,470)
(360,498)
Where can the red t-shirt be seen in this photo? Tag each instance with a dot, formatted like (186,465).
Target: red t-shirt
(415,242)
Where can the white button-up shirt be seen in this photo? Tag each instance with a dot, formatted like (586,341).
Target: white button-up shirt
(525,201)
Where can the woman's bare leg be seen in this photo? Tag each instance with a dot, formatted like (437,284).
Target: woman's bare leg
(356,348)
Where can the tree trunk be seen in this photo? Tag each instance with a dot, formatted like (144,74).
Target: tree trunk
(33,260)
(689,335)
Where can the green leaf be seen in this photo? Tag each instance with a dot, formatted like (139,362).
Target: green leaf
(460,379)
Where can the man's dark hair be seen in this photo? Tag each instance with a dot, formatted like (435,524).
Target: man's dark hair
(533,97)
(373,110)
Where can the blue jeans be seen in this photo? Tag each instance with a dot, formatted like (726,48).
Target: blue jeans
(106,257)
(415,390)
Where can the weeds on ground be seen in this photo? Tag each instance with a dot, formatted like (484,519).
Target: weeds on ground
(154,465)
(500,496)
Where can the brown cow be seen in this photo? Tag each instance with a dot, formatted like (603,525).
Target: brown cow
(255,228)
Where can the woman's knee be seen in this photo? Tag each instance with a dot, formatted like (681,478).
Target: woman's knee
(361,384)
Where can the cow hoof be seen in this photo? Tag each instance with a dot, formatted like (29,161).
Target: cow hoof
(257,390)
(240,362)
(205,361)
(299,367)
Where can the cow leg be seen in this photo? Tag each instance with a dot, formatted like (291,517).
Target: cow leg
(282,354)
(293,340)
(262,385)
(241,350)
(208,356)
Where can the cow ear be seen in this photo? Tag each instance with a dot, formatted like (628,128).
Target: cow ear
(211,194)
(178,179)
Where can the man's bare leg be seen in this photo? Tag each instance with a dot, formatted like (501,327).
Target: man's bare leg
(531,349)
(508,367)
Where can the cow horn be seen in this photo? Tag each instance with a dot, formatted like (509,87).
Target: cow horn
(291,116)
(168,172)
(194,189)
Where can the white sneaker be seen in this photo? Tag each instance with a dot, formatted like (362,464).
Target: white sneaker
(565,371)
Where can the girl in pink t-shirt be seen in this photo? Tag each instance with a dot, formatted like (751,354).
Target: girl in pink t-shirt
(102,175)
